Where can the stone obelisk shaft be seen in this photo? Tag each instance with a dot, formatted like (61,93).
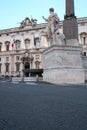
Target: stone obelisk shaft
(69,7)
(70,25)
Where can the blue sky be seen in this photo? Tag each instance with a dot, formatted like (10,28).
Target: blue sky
(14,11)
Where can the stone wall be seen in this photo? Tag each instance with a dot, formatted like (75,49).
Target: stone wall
(84,59)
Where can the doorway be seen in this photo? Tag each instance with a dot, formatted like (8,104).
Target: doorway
(27,67)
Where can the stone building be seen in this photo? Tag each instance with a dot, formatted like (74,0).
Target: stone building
(21,48)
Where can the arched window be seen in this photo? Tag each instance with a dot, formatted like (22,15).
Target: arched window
(27,43)
(17,44)
(83,37)
(7,43)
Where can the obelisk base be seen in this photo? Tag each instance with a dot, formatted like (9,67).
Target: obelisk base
(70,28)
(63,64)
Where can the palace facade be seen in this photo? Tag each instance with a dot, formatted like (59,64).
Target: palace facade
(21,48)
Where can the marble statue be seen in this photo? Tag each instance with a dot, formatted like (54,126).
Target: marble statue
(25,22)
(28,22)
(33,22)
(53,25)
(22,24)
(60,38)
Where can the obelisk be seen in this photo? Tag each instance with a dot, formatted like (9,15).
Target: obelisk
(70,25)
(62,63)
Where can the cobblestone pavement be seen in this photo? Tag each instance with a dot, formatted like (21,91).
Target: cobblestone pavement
(42,106)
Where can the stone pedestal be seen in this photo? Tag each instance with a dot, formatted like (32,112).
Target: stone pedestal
(63,64)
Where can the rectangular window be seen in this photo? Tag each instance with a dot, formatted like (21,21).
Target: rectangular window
(17,67)
(37,64)
(0,48)
(37,57)
(7,67)
(84,53)
(37,43)
(0,68)
(17,58)
(7,59)
(84,39)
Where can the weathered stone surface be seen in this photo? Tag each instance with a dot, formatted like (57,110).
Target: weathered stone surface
(63,64)
(69,7)
(84,61)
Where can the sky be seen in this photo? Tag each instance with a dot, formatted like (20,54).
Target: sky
(12,12)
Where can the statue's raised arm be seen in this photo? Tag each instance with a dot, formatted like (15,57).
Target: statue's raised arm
(45,18)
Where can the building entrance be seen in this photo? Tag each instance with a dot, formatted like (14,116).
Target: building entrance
(27,67)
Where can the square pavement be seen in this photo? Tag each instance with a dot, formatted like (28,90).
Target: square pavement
(42,106)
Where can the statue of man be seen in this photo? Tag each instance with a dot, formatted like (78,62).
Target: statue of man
(22,24)
(53,25)
(27,21)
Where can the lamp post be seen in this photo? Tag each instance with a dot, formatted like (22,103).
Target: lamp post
(23,59)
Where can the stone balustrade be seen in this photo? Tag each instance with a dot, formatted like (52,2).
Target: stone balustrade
(26,79)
